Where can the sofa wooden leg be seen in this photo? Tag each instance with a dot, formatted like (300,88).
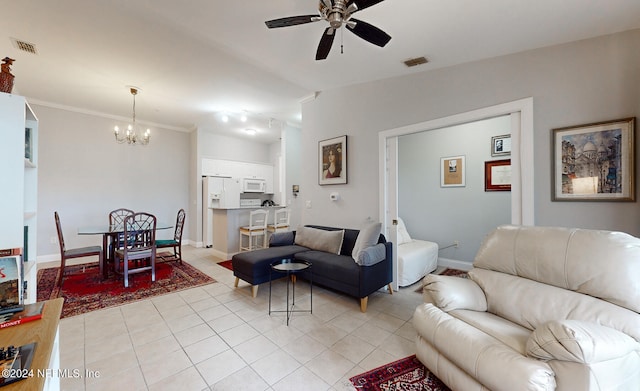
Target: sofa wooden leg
(363,304)
(254,290)
(390,289)
(235,285)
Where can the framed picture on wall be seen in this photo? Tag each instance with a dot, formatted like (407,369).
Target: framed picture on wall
(501,145)
(594,162)
(332,161)
(497,175)
(452,171)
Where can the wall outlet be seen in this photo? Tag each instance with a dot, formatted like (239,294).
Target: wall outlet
(456,243)
(308,203)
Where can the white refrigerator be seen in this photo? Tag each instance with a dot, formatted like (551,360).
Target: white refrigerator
(217,193)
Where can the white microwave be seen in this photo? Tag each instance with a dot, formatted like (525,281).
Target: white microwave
(250,185)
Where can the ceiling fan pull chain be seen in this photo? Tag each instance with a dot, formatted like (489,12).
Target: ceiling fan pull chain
(342,40)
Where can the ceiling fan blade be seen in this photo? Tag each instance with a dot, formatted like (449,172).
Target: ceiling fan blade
(325,43)
(291,21)
(368,32)
(362,4)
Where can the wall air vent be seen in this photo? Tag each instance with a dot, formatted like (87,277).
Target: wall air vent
(24,46)
(416,61)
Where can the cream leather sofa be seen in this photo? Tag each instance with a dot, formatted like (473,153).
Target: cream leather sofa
(544,309)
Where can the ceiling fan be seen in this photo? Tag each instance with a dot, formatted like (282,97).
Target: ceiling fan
(337,13)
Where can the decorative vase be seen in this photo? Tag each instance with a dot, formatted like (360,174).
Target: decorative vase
(6,78)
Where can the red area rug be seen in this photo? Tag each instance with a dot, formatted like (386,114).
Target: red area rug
(84,290)
(405,374)
(226,264)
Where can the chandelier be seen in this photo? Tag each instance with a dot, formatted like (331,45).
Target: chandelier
(131,135)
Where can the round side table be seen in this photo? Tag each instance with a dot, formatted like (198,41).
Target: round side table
(291,268)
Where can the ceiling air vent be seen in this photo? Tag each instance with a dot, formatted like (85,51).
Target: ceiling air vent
(416,61)
(24,46)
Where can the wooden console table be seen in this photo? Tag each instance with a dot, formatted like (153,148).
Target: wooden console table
(47,353)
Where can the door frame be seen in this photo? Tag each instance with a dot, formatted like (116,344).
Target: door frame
(522,178)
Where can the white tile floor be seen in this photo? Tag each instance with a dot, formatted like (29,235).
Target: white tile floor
(216,337)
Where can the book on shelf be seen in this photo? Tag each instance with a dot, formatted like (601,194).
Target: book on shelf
(30,313)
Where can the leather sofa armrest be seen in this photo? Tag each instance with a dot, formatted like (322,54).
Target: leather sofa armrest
(579,341)
(454,293)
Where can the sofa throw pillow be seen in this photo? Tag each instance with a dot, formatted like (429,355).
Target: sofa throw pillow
(454,293)
(403,234)
(367,237)
(372,255)
(320,239)
(281,239)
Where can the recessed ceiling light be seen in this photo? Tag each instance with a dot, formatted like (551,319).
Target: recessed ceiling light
(225,118)
(251,132)
(243,118)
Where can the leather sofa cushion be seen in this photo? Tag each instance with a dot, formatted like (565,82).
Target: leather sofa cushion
(452,293)
(531,304)
(603,264)
(492,363)
(577,341)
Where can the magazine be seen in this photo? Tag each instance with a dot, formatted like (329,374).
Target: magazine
(30,313)
(10,281)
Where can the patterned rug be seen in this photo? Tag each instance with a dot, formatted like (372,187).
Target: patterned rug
(226,264)
(405,374)
(84,290)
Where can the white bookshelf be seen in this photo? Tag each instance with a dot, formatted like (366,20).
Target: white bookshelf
(19,174)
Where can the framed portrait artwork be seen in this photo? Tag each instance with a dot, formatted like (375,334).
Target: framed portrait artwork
(501,145)
(332,161)
(594,162)
(452,171)
(497,175)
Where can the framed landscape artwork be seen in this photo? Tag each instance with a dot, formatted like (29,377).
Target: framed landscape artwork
(452,171)
(332,161)
(594,162)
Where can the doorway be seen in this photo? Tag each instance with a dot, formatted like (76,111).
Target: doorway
(522,204)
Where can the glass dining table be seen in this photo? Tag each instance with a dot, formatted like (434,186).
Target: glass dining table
(109,233)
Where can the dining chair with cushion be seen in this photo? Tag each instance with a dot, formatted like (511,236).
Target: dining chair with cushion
(175,243)
(75,252)
(136,250)
(280,221)
(257,227)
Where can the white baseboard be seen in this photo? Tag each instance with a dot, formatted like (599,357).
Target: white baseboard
(454,264)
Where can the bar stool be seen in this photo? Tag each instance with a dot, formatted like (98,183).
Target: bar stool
(280,221)
(257,227)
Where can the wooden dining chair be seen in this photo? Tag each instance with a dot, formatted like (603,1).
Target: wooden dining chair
(136,250)
(116,219)
(72,253)
(175,243)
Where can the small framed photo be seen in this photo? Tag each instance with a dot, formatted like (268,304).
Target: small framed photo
(332,161)
(594,162)
(452,171)
(501,145)
(497,175)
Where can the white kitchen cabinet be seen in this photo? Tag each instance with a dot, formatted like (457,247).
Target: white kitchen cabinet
(235,169)
(19,171)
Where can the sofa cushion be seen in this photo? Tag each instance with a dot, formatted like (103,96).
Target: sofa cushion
(371,255)
(577,341)
(338,267)
(318,239)
(254,266)
(282,239)
(367,237)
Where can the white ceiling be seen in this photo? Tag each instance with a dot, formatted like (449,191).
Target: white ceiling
(196,59)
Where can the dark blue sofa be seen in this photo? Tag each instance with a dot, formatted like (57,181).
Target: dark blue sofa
(337,272)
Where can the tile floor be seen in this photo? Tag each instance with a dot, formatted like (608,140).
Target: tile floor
(216,337)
